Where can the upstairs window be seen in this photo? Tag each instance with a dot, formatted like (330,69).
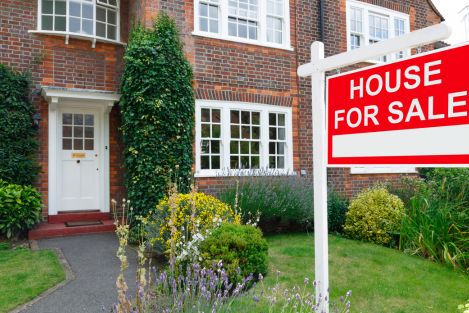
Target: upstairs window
(263,22)
(90,18)
(368,24)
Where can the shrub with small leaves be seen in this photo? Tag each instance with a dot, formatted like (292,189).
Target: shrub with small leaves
(157,106)
(18,137)
(374,215)
(241,248)
(20,209)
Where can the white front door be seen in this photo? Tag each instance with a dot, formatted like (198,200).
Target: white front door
(79,160)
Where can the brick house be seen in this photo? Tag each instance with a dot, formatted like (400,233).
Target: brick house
(252,110)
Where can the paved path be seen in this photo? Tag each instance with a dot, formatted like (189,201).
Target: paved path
(95,266)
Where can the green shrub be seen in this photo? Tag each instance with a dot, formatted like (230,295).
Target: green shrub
(157,106)
(337,206)
(18,142)
(374,215)
(236,246)
(285,203)
(449,183)
(20,209)
(437,228)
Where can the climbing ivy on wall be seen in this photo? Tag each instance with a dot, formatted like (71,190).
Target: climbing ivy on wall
(157,107)
(18,137)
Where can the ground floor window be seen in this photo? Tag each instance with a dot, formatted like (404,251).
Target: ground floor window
(234,137)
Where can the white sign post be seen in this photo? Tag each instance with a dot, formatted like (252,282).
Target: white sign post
(316,69)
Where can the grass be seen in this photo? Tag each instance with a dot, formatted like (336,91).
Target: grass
(25,274)
(382,280)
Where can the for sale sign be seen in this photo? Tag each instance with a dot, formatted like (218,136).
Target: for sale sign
(413,111)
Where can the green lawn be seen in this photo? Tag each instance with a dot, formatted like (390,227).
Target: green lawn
(24,274)
(382,280)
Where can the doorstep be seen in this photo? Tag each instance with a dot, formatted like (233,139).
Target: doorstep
(76,223)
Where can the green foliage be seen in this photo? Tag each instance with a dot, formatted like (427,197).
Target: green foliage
(337,207)
(20,209)
(374,215)
(284,202)
(157,107)
(18,143)
(450,183)
(236,246)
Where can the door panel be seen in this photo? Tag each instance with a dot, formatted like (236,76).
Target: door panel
(79,161)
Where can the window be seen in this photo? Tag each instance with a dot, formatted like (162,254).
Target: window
(90,18)
(368,24)
(233,137)
(209,16)
(263,22)
(77,131)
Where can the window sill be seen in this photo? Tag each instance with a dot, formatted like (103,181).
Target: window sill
(243,173)
(66,35)
(383,170)
(241,40)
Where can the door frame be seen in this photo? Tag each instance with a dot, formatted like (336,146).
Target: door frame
(102,103)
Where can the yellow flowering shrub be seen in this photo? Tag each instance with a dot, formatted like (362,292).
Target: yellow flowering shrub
(180,221)
(374,215)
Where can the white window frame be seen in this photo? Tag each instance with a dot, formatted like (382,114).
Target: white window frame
(93,38)
(391,16)
(262,26)
(225,107)
(368,9)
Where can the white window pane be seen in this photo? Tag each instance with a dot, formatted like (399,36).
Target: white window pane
(203,10)
(278,37)
(74,9)
(101,14)
(213,26)
(100,29)
(213,12)
(74,25)
(47,22)
(60,7)
(242,30)
(203,24)
(87,27)
(111,32)
(112,17)
(47,7)
(232,29)
(60,23)
(87,11)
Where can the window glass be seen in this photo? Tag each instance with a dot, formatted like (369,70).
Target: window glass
(245,140)
(210,145)
(77,131)
(277,141)
(80,17)
(208,16)
(243,18)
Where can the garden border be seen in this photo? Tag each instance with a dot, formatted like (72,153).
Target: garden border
(69,276)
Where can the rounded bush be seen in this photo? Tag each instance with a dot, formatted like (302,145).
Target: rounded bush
(189,214)
(241,248)
(20,209)
(374,216)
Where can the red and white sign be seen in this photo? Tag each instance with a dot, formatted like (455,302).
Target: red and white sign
(414,111)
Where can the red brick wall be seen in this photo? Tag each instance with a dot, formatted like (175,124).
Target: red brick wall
(54,63)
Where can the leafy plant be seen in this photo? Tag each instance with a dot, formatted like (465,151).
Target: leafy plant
(20,209)
(284,202)
(181,221)
(374,215)
(337,206)
(157,108)
(438,229)
(18,143)
(241,249)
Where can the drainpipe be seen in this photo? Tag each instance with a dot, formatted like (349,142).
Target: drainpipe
(321,20)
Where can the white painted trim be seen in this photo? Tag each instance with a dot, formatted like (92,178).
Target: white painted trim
(262,26)
(102,103)
(225,107)
(368,9)
(67,34)
(383,170)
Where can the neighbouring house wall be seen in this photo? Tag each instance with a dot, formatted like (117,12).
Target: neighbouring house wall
(51,62)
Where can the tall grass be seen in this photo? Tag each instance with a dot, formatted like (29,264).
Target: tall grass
(436,224)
